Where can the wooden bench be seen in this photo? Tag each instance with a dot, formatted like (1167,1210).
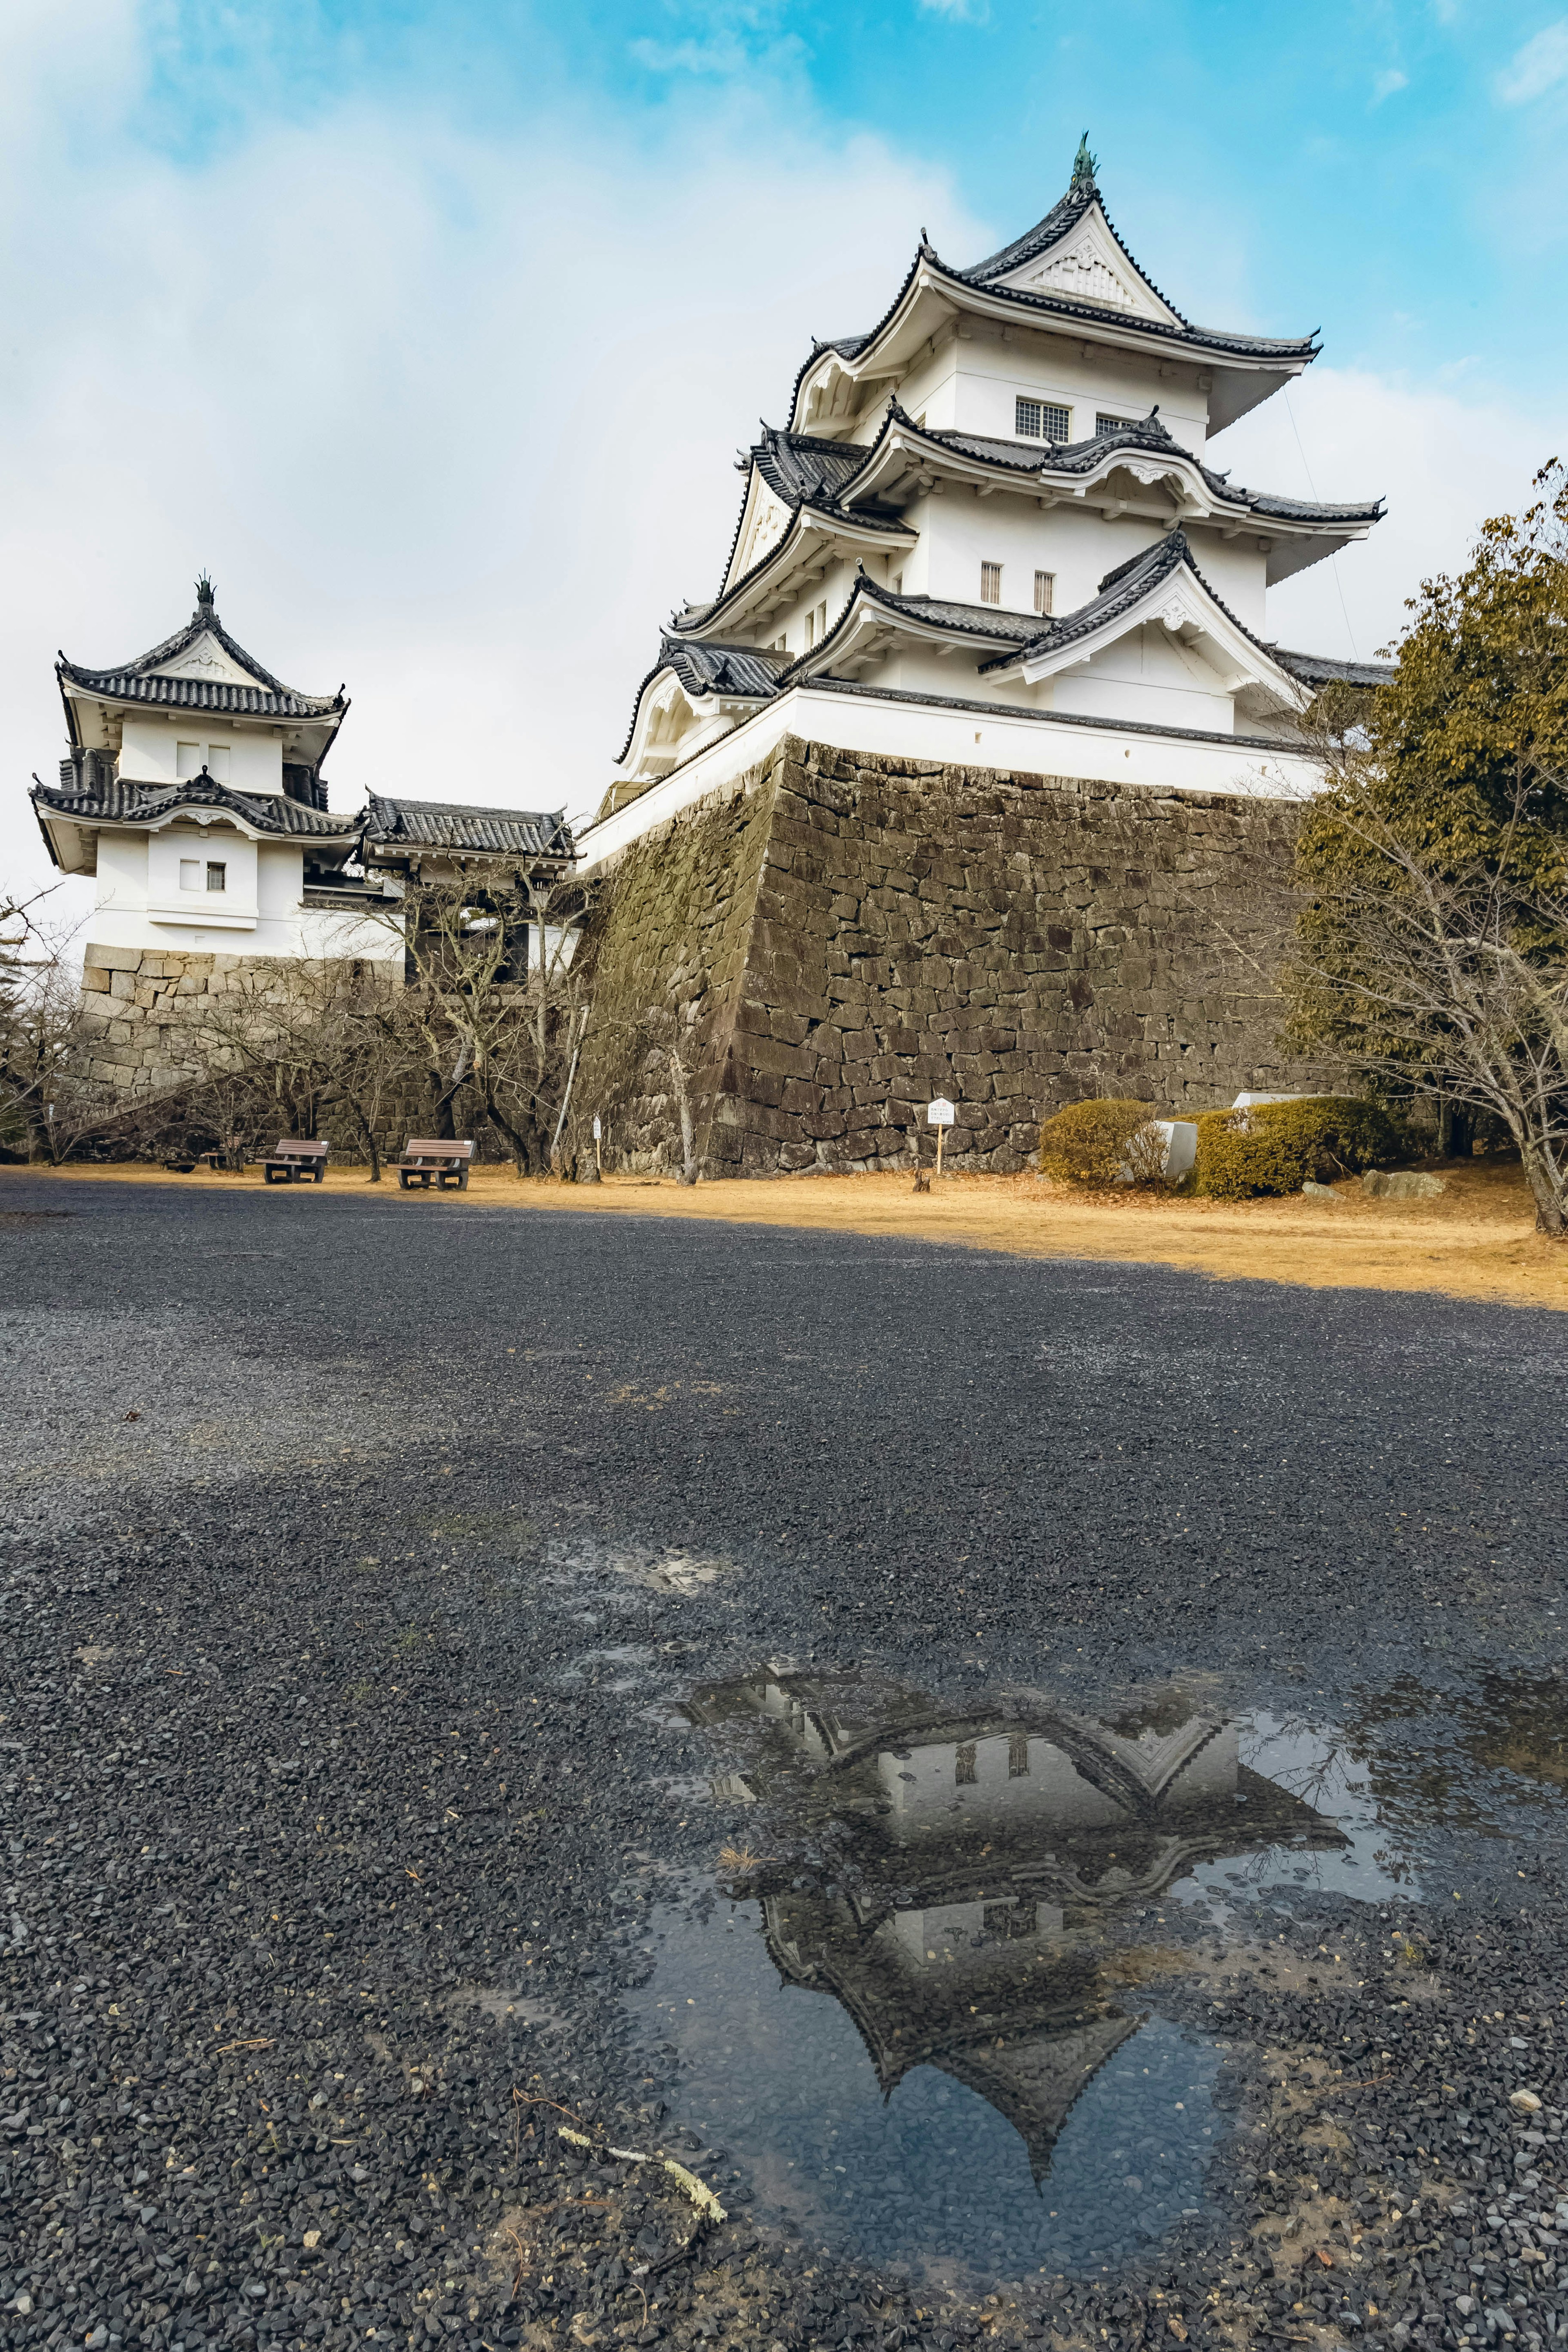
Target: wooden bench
(427,1158)
(291,1161)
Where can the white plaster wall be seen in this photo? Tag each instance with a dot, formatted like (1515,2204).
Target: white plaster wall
(1152,676)
(232,908)
(1032,742)
(259,913)
(927,390)
(149,748)
(1237,570)
(991,373)
(280,880)
(123,875)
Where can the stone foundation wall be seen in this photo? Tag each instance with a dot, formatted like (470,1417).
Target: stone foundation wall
(846,935)
(141,1008)
(138,1004)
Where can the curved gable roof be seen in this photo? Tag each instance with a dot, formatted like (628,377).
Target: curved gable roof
(144,680)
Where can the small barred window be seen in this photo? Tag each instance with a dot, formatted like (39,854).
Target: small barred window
(1105,422)
(991,583)
(217,875)
(1044,591)
(1042,420)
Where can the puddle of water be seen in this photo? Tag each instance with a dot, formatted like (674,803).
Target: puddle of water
(878,2119)
(925,2011)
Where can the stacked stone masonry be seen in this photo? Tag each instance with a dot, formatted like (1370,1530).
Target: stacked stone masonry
(844,936)
(139,1009)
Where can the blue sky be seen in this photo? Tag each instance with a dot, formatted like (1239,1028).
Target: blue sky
(432,330)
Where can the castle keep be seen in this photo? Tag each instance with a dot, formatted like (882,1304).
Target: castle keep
(977,774)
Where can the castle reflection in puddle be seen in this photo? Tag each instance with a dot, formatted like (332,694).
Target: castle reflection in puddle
(954,1880)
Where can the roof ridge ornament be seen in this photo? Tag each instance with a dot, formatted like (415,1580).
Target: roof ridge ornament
(205,612)
(1084,165)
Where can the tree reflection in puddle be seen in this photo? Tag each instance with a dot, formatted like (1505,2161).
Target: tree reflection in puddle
(917,2020)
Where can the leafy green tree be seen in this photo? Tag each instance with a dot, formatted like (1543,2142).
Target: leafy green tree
(1432,942)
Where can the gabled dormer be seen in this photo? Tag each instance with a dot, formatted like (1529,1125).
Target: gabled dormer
(1075,254)
(1070,283)
(198,702)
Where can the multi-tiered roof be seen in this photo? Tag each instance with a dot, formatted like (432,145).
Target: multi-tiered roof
(843,560)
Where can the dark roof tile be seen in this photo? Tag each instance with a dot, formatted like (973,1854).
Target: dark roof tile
(136,681)
(1322,669)
(460,825)
(131,803)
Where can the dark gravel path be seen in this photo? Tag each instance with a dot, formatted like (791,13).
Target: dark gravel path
(356,1555)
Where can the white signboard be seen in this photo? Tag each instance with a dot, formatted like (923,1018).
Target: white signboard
(596,1129)
(939,1113)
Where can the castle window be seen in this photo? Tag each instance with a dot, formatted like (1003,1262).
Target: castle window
(1105,422)
(964,1766)
(190,873)
(1044,591)
(1017,1754)
(991,583)
(187,758)
(217,875)
(217,763)
(1041,420)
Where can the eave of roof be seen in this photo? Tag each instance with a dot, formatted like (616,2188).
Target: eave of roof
(829,520)
(463,826)
(738,672)
(1070,459)
(1323,669)
(1213,342)
(132,804)
(115,682)
(977,624)
(199,693)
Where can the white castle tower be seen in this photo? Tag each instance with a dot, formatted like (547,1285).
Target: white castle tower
(989,534)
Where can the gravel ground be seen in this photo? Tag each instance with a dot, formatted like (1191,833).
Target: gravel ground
(354,1576)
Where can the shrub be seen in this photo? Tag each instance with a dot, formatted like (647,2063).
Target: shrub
(1275,1147)
(1103,1143)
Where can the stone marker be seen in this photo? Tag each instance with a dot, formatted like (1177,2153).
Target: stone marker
(1407,1185)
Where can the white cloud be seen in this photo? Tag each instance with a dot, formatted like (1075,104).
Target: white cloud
(450,418)
(1539,65)
(1387,82)
(1443,464)
(957,12)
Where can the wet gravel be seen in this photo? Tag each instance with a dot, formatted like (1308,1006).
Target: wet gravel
(360,1561)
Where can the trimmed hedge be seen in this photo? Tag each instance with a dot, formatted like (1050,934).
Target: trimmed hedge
(1274,1148)
(1099,1144)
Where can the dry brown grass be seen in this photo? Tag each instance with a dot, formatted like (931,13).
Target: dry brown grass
(1475,1242)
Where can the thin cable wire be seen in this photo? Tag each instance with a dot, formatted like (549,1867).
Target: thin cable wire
(1335,557)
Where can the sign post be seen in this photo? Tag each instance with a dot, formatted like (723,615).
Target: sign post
(598,1155)
(941,1115)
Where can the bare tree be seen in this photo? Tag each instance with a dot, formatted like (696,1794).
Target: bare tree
(332,1036)
(50,1091)
(491,993)
(1452,982)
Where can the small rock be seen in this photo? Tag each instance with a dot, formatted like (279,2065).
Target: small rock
(1310,1191)
(1407,1184)
(1524,2103)
(23,2304)
(1464,2305)
(312,2238)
